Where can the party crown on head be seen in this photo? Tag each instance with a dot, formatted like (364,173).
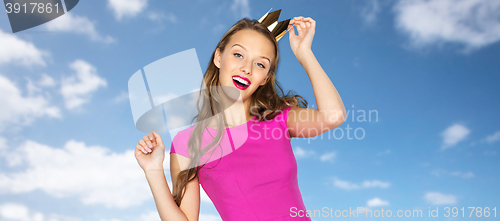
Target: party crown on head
(270,20)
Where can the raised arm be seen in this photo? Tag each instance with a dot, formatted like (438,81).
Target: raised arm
(152,164)
(308,122)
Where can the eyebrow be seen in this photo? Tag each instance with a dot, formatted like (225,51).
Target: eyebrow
(247,50)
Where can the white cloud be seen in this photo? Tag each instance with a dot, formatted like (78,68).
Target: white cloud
(154,216)
(493,138)
(204,196)
(93,174)
(441,172)
(129,8)
(375,183)
(218,28)
(490,153)
(3,143)
(121,97)
(388,151)
(150,216)
(209,217)
(471,23)
(302,153)
(241,8)
(14,50)
(162,98)
(18,110)
(15,211)
(328,157)
(160,16)
(31,87)
(462,174)
(370,12)
(19,212)
(436,198)
(77,24)
(342,184)
(454,134)
(77,89)
(35,87)
(375,202)
(174,122)
(46,81)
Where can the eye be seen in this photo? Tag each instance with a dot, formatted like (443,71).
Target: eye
(261,65)
(238,55)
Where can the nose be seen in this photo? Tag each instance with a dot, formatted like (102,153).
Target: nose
(246,67)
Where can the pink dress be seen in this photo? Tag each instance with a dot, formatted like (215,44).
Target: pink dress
(256,177)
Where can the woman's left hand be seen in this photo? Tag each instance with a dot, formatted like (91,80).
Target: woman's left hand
(302,42)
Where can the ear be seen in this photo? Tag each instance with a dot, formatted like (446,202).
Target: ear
(217,58)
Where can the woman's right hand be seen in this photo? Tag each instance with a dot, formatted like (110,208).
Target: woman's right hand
(150,152)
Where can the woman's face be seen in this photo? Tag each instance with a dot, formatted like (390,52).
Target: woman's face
(245,62)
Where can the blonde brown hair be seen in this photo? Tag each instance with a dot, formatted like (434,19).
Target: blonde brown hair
(265,103)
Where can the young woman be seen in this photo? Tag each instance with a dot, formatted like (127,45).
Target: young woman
(246,166)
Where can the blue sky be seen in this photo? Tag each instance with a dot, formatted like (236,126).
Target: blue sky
(426,69)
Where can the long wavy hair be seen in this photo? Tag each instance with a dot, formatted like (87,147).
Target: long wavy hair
(266,102)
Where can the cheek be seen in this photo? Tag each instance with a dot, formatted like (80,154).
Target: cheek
(225,68)
(228,63)
(260,80)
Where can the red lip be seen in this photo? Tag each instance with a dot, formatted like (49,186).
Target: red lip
(239,86)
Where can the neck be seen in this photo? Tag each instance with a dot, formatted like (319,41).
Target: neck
(238,114)
(235,109)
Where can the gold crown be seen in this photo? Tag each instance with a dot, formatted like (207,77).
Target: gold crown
(278,29)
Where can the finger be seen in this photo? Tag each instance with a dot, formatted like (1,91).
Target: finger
(159,141)
(299,24)
(313,22)
(139,148)
(148,142)
(307,22)
(291,31)
(302,25)
(144,145)
(152,139)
